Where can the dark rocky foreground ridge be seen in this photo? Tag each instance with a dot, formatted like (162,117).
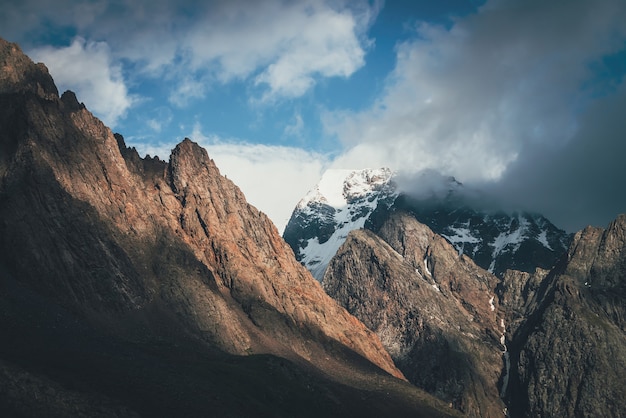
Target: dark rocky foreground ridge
(138,287)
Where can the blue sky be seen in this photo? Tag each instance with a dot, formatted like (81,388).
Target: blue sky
(522,98)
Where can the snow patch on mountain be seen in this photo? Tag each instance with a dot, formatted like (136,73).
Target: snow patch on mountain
(511,239)
(461,235)
(316,256)
(543,239)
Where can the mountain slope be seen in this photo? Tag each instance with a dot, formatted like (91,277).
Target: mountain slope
(135,285)
(434,311)
(568,356)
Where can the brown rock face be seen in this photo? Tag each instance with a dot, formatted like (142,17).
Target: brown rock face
(18,74)
(244,251)
(563,331)
(139,264)
(434,311)
(518,294)
(568,357)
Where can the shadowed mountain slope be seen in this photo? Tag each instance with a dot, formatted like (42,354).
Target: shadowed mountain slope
(568,356)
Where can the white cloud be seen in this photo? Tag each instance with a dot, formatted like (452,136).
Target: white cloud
(319,41)
(273,178)
(281,47)
(473,98)
(161,117)
(185,90)
(154,124)
(87,69)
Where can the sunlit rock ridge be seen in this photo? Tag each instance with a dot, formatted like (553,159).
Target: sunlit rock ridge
(139,287)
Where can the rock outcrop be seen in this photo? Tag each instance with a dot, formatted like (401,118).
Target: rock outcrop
(568,356)
(135,284)
(435,311)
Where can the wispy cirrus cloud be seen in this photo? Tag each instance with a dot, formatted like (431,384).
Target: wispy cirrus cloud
(295,128)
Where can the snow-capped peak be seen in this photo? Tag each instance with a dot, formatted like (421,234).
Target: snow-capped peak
(341,202)
(344,200)
(338,187)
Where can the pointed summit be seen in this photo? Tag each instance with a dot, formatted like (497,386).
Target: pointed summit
(342,201)
(19,74)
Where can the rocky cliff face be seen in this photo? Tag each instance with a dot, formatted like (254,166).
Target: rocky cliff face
(130,283)
(567,356)
(435,311)
(496,240)
(548,343)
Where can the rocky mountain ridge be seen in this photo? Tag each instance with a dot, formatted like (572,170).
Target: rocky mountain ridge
(137,286)
(567,356)
(547,343)
(436,312)
(496,240)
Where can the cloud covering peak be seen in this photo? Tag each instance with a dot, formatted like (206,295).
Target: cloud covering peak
(507,96)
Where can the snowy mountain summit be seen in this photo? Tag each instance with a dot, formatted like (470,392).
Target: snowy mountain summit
(341,202)
(345,200)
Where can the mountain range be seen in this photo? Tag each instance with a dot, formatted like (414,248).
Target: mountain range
(345,200)
(135,286)
(459,293)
